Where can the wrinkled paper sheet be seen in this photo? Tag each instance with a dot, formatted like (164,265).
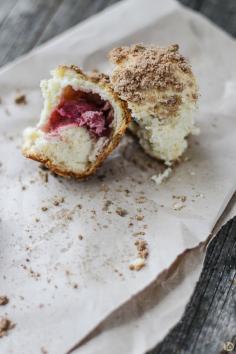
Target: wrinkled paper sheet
(61,287)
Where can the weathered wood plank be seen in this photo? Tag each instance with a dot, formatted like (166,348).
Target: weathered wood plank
(5,8)
(194,4)
(223,13)
(22,27)
(210,317)
(71,13)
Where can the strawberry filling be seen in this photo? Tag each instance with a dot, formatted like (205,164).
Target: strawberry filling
(82,109)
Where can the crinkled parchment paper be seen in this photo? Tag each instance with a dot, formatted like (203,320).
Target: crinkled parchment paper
(65,250)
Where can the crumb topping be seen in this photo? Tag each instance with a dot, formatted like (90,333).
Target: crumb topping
(96,77)
(142,68)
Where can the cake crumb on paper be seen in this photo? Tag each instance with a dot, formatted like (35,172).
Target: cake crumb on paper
(5,326)
(182,198)
(121,212)
(158,179)
(3,300)
(142,255)
(107,205)
(178,205)
(142,248)
(44,208)
(58,200)
(137,264)
(20,99)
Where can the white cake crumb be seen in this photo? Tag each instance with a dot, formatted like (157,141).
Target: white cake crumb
(158,179)
(178,205)
(137,264)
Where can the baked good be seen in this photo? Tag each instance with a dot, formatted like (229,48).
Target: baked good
(81,122)
(161,92)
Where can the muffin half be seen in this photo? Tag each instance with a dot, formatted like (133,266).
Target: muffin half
(161,92)
(82,121)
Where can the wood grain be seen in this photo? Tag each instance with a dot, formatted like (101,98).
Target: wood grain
(69,13)
(210,317)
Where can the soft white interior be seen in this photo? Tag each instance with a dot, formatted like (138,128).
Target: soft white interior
(74,149)
(164,139)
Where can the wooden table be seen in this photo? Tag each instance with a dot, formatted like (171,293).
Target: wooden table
(210,317)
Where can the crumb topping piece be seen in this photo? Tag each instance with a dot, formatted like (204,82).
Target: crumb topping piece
(21,99)
(142,68)
(5,326)
(3,300)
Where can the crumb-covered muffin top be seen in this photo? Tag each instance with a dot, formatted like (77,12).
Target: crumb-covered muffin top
(159,78)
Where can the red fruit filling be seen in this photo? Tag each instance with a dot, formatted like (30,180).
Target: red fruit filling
(82,109)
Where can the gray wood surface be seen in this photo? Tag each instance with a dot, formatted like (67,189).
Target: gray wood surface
(210,317)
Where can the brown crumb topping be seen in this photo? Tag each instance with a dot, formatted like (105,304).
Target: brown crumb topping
(142,68)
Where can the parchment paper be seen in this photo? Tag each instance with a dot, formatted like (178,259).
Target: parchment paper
(141,323)
(60,286)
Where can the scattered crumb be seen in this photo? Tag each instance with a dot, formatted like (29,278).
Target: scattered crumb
(142,248)
(23,188)
(158,179)
(183,198)
(140,200)
(106,205)
(44,208)
(75,286)
(21,99)
(139,217)
(140,233)
(121,212)
(37,219)
(3,300)
(58,200)
(137,264)
(5,326)
(44,176)
(178,205)
(80,237)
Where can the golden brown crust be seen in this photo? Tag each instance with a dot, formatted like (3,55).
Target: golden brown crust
(113,142)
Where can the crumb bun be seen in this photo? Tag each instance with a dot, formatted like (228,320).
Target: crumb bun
(101,83)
